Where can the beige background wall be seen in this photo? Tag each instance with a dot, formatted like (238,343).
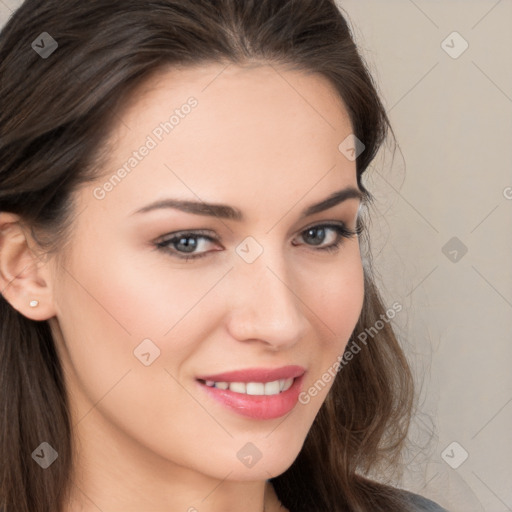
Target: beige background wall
(450,177)
(453,121)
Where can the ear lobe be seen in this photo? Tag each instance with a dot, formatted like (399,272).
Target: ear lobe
(24,276)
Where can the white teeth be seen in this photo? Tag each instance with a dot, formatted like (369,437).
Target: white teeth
(237,387)
(254,388)
(287,384)
(272,388)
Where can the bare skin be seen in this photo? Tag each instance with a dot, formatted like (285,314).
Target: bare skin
(262,139)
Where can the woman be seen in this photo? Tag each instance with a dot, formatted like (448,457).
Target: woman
(184,292)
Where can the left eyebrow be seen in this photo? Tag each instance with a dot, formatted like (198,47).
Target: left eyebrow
(224,211)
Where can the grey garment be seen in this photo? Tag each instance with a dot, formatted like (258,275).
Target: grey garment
(418,503)
(422,504)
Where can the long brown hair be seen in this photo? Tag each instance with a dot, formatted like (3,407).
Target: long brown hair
(56,113)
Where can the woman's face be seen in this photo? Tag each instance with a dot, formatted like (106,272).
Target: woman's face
(136,325)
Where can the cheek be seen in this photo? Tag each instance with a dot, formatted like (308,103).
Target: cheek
(339,299)
(338,303)
(115,305)
(112,310)
(129,294)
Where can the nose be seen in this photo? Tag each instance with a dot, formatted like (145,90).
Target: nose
(264,304)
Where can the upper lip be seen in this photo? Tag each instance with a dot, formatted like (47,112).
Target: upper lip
(257,374)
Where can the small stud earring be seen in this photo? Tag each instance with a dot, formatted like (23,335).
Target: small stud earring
(34,303)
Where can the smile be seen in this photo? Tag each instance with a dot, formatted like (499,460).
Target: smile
(253,388)
(256,400)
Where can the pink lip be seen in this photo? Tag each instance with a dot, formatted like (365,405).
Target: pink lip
(257,374)
(261,407)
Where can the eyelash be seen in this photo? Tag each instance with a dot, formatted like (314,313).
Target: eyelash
(340,229)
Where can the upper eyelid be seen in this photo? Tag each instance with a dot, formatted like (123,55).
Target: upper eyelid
(340,228)
(215,238)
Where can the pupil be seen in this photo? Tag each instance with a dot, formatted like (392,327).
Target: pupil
(189,247)
(317,230)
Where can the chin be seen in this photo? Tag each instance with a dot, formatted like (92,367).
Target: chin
(272,465)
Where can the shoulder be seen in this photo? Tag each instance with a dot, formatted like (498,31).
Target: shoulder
(421,504)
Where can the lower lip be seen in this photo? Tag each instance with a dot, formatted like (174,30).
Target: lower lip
(261,407)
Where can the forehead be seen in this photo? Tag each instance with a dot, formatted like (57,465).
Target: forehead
(250,104)
(228,133)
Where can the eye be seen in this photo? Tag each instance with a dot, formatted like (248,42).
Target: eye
(188,241)
(340,232)
(184,244)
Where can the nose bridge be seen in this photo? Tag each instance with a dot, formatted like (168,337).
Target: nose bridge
(264,304)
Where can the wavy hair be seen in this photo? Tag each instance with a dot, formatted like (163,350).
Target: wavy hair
(55,115)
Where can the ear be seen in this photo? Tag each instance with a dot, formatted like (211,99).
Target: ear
(24,275)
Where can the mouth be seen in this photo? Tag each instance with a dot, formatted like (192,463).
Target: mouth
(266,398)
